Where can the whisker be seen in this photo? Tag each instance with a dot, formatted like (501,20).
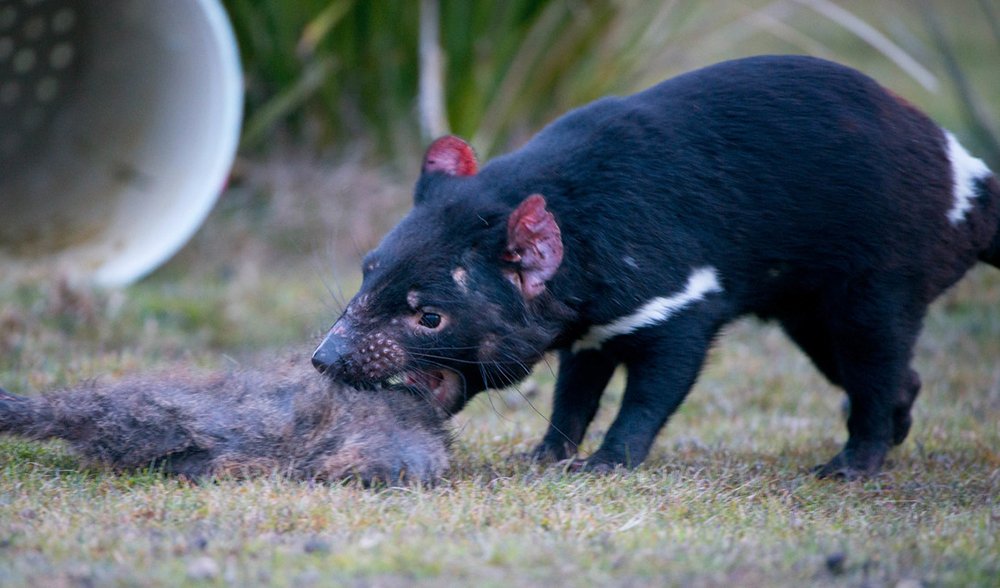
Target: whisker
(489,397)
(538,412)
(502,373)
(335,290)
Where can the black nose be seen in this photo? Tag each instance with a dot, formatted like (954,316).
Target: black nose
(329,356)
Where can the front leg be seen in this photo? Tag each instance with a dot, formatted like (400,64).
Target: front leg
(581,381)
(662,367)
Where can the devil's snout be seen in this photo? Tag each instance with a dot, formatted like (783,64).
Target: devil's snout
(360,357)
(329,356)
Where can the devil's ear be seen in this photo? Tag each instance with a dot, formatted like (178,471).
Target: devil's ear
(534,245)
(452,156)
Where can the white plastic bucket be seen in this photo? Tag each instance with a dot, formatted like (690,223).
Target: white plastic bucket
(119,121)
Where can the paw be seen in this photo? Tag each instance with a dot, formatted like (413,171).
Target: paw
(547,453)
(597,464)
(854,463)
(835,470)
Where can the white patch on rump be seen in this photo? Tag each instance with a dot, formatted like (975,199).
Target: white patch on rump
(701,282)
(965,171)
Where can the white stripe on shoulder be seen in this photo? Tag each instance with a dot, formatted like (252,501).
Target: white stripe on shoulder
(965,171)
(701,282)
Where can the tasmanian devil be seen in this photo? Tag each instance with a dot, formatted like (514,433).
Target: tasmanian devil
(630,230)
(243,422)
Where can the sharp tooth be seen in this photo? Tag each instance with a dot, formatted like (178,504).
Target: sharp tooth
(396,380)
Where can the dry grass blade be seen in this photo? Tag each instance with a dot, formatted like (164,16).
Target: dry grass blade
(876,39)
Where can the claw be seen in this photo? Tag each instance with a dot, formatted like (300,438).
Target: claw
(593,466)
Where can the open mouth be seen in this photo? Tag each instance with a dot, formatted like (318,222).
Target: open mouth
(444,386)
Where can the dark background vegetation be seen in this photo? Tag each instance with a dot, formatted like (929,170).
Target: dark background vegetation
(328,71)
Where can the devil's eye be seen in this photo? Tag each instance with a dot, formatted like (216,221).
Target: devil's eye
(431,320)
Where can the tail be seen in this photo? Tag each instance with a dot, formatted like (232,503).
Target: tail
(973,184)
(30,418)
(992,253)
(126,425)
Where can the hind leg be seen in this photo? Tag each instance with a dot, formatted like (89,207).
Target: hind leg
(814,338)
(872,342)
(901,419)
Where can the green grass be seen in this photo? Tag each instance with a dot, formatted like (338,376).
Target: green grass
(726,498)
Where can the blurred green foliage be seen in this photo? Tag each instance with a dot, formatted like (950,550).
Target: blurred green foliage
(336,72)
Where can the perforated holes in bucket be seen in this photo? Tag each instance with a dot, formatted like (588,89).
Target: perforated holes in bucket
(38,64)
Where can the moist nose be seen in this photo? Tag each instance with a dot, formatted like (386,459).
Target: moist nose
(329,356)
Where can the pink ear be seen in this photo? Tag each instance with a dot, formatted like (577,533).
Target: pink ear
(452,156)
(534,242)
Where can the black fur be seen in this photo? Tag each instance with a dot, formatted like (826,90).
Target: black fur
(819,198)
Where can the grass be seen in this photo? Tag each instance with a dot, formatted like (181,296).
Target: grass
(726,497)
